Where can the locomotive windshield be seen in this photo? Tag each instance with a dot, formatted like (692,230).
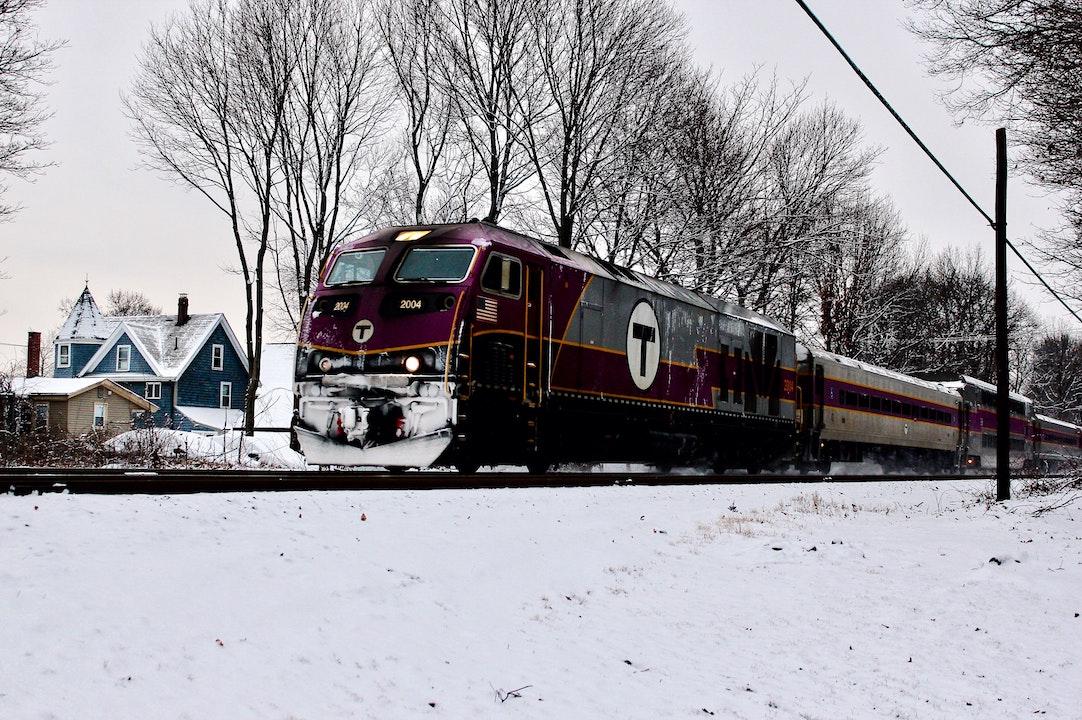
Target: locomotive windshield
(356,267)
(444,264)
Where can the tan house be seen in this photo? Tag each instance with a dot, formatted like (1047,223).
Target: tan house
(79,405)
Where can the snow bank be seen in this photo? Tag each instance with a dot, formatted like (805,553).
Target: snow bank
(835,601)
(230,448)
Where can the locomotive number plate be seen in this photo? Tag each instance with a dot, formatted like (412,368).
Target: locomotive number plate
(411,304)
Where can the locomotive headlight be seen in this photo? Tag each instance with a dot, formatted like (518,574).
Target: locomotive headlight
(412,363)
(325,364)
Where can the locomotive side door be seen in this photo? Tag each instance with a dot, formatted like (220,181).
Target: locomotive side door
(533,337)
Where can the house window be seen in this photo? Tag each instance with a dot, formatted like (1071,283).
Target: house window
(217,352)
(99,415)
(153,391)
(225,395)
(123,358)
(41,416)
(63,356)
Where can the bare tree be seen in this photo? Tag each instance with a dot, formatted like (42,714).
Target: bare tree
(209,105)
(130,302)
(335,112)
(814,162)
(1019,61)
(949,326)
(595,60)
(485,51)
(853,262)
(410,32)
(1056,385)
(24,60)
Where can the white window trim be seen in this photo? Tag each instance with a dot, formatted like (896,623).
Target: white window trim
(127,365)
(225,392)
(60,363)
(217,352)
(157,395)
(104,415)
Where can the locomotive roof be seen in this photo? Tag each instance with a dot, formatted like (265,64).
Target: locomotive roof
(595,266)
(877,370)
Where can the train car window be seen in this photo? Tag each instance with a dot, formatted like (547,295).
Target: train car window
(895,407)
(876,402)
(502,275)
(554,250)
(907,410)
(865,401)
(355,267)
(450,263)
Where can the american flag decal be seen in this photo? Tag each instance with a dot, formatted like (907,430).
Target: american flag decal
(486,309)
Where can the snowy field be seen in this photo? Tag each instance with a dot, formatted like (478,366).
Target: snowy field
(830,601)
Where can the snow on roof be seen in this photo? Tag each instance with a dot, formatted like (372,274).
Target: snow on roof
(167,343)
(218,418)
(70,387)
(167,347)
(85,321)
(52,386)
(982,385)
(881,371)
(1048,420)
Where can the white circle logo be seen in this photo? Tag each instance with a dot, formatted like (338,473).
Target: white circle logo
(643,345)
(363,331)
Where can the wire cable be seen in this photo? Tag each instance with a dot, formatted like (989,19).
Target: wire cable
(930,154)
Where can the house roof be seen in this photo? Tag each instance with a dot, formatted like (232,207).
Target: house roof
(68,388)
(167,347)
(85,321)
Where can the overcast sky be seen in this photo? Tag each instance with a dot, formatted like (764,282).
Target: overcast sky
(98,214)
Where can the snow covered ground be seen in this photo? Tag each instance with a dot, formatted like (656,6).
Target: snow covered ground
(232,447)
(831,601)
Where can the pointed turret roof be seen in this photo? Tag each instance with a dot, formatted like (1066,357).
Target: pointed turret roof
(85,321)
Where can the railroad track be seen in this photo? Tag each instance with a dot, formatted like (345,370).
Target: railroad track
(113,481)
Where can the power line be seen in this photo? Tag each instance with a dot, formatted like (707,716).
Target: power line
(930,154)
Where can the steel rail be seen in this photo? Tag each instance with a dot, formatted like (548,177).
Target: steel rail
(117,481)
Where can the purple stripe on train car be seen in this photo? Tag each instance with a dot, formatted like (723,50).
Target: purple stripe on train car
(833,388)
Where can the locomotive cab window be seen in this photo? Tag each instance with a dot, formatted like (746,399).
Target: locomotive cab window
(355,267)
(502,275)
(449,264)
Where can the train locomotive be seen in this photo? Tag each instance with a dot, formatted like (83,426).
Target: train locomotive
(469,344)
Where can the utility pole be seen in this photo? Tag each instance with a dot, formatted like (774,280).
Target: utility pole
(1003,385)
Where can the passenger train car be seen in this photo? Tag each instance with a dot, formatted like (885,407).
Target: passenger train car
(1055,443)
(468,344)
(979,424)
(853,411)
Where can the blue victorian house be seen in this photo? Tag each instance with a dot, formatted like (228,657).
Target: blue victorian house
(190,366)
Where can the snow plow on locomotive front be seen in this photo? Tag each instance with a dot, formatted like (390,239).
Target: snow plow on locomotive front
(374,368)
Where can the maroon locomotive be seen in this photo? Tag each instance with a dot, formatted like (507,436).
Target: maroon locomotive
(470,344)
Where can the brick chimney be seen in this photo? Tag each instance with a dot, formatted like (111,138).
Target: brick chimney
(33,354)
(182,309)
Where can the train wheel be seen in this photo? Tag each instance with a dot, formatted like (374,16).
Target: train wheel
(467,467)
(538,467)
